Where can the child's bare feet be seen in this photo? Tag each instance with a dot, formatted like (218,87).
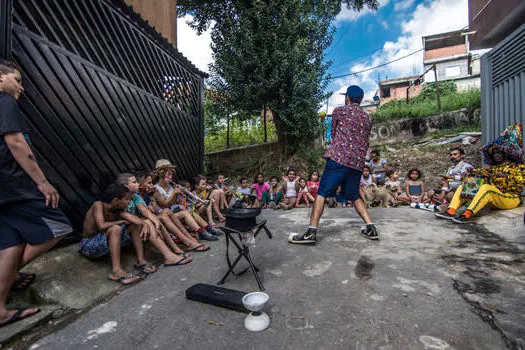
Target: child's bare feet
(198,247)
(146,268)
(123,277)
(177,260)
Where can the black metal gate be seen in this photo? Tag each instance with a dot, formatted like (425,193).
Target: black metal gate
(105,94)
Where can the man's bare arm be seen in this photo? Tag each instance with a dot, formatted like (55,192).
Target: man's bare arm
(24,156)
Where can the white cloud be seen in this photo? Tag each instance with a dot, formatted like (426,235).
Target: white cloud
(351,15)
(197,48)
(402,5)
(433,17)
(384,24)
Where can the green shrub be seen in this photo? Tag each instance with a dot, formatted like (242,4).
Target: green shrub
(427,105)
(241,134)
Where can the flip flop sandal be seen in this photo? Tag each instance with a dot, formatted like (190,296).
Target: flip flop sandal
(23,281)
(199,246)
(127,276)
(17,316)
(142,268)
(181,262)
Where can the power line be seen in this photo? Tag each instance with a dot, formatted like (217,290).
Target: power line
(378,66)
(381,65)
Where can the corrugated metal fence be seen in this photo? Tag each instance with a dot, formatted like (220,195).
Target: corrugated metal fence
(503,85)
(104,94)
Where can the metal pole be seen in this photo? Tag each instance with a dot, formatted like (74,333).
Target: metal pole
(6,11)
(227,130)
(265,132)
(437,89)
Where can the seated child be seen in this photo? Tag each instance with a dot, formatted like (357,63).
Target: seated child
(166,197)
(170,221)
(392,182)
(273,197)
(244,194)
(290,189)
(216,196)
(228,192)
(302,194)
(366,180)
(105,232)
(209,206)
(140,216)
(187,200)
(260,187)
(414,188)
(313,185)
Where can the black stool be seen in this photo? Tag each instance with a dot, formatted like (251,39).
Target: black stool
(240,222)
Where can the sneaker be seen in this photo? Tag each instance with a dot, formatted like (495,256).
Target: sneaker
(445,215)
(206,236)
(462,219)
(215,231)
(370,231)
(309,237)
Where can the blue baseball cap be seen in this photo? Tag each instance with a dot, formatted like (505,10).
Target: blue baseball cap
(354,91)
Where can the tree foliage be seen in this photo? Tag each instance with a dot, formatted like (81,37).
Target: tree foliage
(270,53)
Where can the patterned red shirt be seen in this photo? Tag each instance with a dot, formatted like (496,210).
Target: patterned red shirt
(350,132)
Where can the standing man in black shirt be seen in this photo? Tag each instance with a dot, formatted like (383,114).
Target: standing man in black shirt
(30,221)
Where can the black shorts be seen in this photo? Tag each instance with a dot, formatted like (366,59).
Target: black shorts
(32,222)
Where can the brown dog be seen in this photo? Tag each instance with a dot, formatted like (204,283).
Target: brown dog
(379,196)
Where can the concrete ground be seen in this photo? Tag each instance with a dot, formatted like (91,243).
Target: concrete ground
(427,284)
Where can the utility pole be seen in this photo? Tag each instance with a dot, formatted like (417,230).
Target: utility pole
(437,89)
(264,120)
(227,130)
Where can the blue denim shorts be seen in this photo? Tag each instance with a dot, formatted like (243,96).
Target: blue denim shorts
(335,174)
(96,246)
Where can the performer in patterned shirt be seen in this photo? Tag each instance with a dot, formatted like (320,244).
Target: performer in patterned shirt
(345,160)
(503,180)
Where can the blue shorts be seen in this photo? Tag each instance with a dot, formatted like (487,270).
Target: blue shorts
(96,246)
(335,174)
(32,222)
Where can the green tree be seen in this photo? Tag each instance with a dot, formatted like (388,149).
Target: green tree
(270,53)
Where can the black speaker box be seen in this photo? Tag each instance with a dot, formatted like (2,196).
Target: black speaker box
(223,297)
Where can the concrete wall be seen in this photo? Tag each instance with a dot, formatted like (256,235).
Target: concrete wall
(223,161)
(443,52)
(403,129)
(161,14)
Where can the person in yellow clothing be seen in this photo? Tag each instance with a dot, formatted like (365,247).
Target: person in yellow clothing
(503,180)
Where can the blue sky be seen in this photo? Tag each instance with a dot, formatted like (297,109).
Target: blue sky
(364,40)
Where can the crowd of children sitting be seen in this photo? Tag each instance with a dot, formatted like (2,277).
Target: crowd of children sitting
(152,207)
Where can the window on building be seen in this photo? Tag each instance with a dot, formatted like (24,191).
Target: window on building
(385,92)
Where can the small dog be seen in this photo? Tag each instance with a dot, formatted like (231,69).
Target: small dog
(380,196)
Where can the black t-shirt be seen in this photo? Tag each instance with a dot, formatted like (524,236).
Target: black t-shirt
(15,183)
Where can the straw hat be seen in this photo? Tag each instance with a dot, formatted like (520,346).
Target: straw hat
(163,164)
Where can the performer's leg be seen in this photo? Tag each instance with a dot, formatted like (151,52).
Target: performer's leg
(491,194)
(456,201)
(317,210)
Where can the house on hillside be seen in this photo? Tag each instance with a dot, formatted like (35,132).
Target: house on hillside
(499,25)
(450,53)
(399,88)
(370,106)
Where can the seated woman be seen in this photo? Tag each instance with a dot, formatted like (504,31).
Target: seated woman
(504,179)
